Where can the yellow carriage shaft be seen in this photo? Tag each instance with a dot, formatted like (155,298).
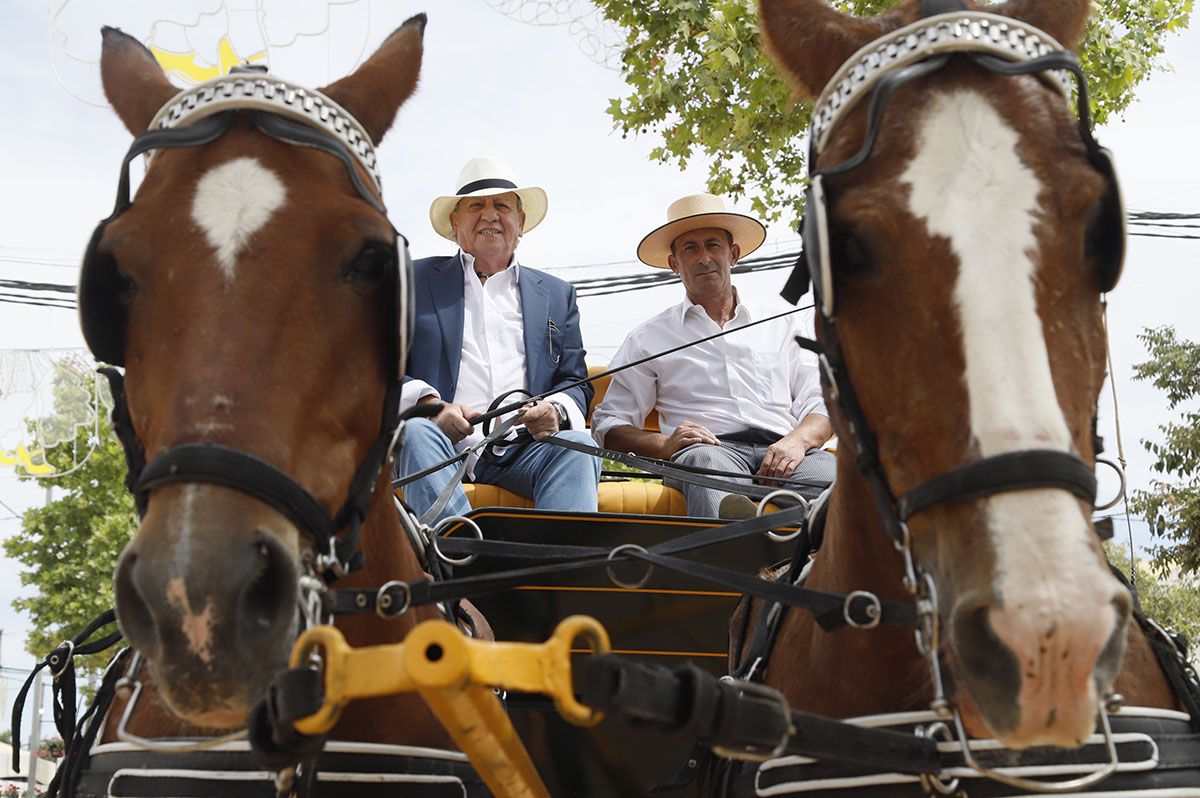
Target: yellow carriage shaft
(456,676)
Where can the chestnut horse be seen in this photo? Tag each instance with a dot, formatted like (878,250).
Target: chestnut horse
(251,290)
(970,251)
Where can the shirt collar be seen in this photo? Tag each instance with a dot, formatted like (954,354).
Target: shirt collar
(740,310)
(469,266)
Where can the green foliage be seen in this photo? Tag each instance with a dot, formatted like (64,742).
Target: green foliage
(699,78)
(613,465)
(1172,601)
(69,547)
(1172,505)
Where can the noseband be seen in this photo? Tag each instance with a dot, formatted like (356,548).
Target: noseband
(300,117)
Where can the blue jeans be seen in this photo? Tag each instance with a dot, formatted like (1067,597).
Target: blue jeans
(554,477)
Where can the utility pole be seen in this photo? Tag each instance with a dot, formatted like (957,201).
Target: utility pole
(35,730)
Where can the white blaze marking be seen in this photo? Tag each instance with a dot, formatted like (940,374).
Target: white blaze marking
(197,627)
(233,201)
(969,185)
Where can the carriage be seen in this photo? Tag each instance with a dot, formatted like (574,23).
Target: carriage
(977,542)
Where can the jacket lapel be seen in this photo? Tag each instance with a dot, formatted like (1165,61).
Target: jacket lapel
(535,316)
(446,285)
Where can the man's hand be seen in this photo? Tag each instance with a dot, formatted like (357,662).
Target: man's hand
(783,457)
(540,419)
(454,421)
(685,435)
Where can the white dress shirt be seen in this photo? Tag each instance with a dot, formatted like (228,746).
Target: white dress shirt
(757,378)
(493,349)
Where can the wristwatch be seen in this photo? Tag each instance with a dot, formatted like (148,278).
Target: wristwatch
(564,421)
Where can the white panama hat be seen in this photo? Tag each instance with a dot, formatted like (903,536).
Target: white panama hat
(696,212)
(486,176)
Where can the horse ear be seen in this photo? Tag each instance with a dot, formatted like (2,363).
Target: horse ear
(1064,20)
(376,90)
(810,40)
(133,81)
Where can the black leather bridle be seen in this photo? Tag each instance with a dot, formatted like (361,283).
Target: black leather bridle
(103,320)
(1010,471)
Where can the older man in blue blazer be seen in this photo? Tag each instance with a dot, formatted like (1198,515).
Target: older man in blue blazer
(487,325)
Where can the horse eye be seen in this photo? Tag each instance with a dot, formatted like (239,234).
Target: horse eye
(848,255)
(126,288)
(370,265)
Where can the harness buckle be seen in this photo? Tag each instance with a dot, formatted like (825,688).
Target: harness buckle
(384,600)
(57,666)
(870,605)
(750,753)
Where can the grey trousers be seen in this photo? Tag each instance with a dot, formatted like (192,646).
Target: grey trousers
(818,468)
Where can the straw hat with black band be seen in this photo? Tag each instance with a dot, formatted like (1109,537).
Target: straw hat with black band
(486,176)
(697,212)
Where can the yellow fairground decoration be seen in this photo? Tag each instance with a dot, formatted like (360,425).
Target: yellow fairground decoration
(23,458)
(191,68)
(456,676)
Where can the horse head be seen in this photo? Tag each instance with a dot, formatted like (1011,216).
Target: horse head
(968,252)
(250,291)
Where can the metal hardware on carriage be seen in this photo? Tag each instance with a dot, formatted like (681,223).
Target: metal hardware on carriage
(456,677)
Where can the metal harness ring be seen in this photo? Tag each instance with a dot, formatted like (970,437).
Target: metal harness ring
(437,531)
(628,585)
(1120,475)
(762,507)
(873,610)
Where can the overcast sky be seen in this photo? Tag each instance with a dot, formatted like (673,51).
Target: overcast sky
(528,94)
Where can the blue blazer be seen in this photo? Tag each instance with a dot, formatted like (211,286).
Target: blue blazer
(554,353)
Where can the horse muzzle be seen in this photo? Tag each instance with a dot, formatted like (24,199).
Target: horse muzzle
(207,592)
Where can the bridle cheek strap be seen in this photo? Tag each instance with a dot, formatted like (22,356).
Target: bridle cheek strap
(1030,469)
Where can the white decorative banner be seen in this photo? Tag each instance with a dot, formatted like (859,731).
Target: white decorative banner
(599,39)
(46,397)
(196,40)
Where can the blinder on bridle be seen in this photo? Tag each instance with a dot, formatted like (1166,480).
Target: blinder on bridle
(300,117)
(1000,45)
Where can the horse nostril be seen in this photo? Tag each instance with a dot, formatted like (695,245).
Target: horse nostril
(133,614)
(1108,664)
(269,598)
(988,664)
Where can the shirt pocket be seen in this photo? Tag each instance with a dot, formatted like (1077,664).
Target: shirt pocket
(772,377)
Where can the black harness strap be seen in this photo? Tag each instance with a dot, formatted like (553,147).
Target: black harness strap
(683,472)
(122,424)
(725,715)
(61,662)
(215,464)
(1024,470)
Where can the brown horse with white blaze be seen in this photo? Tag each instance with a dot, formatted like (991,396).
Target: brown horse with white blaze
(966,251)
(258,286)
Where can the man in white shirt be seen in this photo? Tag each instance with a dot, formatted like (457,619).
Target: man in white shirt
(486,325)
(748,402)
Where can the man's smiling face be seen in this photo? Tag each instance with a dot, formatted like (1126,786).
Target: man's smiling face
(488,227)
